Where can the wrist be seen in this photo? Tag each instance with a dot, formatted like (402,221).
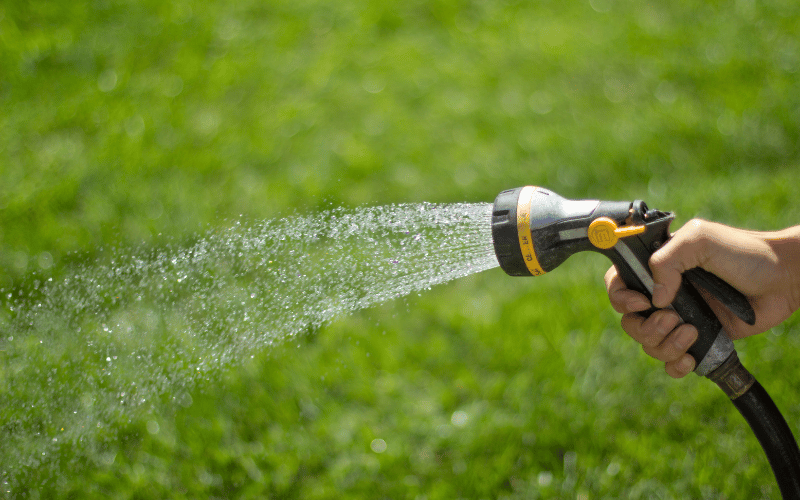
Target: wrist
(786,245)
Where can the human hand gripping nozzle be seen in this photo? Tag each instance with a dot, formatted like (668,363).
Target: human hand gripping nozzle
(535,230)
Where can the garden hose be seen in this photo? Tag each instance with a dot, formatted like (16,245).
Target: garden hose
(535,230)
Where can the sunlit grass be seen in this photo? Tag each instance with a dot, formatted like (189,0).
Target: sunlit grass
(126,122)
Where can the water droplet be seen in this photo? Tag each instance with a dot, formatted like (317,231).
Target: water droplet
(459,418)
(378,445)
(153,427)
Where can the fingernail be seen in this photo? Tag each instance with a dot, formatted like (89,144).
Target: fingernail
(686,364)
(637,305)
(659,296)
(665,323)
(685,339)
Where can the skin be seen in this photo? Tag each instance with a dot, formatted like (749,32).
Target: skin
(764,266)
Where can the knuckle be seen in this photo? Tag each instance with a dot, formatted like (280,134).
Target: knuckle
(609,276)
(680,367)
(625,301)
(652,351)
(662,352)
(651,327)
(650,342)
(672,371)
(696,231)
(696,225)
(618,306)
(632,324)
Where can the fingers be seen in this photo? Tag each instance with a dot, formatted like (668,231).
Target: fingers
(664,337)
(660,334)
(674,345)
(681,367)
(650,332)
(687,249)
(624,300)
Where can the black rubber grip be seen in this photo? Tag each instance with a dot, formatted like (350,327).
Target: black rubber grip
(732,298)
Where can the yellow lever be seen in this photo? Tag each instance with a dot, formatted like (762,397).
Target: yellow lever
(604,232)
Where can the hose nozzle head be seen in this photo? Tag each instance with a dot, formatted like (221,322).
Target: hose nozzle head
(535,229)
(513,241)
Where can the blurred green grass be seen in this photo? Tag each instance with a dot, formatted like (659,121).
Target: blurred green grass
(123,121)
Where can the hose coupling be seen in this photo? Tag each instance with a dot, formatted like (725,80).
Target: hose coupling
(732,377)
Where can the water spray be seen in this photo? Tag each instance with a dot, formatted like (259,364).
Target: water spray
(535,230)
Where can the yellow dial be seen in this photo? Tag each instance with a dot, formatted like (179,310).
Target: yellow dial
(524,231)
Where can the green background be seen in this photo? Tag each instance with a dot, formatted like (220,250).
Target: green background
(123,121)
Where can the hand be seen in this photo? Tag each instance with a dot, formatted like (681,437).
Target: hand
(764,266)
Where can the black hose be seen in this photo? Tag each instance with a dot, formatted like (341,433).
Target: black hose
(775,437)
(769,426)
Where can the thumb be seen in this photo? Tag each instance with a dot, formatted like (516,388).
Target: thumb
(685,250)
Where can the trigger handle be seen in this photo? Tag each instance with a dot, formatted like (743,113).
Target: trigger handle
(631,257)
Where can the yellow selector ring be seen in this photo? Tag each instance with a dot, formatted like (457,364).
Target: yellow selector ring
(524,231)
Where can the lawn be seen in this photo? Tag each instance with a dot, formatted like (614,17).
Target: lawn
(132,127)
